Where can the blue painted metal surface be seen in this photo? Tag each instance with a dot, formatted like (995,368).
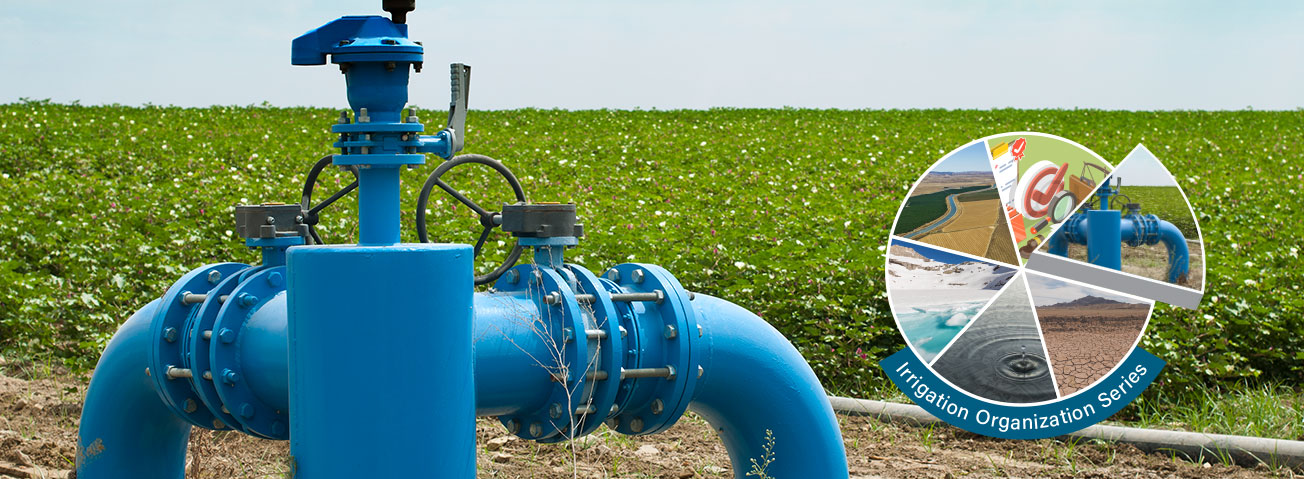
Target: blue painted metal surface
(231,362)
(751,378)
(754,380)
(381,379)
(170,329)
(1104,246)
(126,430)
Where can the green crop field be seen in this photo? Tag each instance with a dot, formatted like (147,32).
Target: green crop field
(786,212)
(987,194)
(1165,202)
(922,209)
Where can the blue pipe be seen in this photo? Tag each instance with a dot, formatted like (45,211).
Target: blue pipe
(1133,230)
(755,384)
(126,430)
(378,206)
(753,381)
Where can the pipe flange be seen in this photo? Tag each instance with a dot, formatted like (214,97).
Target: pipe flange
(667,329)
(254,415)
(200,349)
(562,324)
(603,388)
(167,331)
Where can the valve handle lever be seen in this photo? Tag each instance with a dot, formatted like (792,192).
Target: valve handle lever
(460,85)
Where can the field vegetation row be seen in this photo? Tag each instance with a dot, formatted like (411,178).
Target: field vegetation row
(926,208)
(786,212)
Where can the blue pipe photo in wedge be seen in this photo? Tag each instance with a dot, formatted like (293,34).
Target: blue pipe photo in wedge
(1104,232)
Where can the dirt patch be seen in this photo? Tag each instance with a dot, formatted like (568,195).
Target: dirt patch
(39,415)
(1152,262)
(1086,343)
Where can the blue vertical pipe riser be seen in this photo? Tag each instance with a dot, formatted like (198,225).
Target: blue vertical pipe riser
(381,378)
(378,210)
(1104,248)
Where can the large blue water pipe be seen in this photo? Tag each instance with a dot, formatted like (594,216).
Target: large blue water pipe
(1104,231)
(374,359)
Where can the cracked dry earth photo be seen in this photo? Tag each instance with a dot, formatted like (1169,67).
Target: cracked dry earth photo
(1087,331)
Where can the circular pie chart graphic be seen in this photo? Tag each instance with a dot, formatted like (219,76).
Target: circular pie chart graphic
(963,296)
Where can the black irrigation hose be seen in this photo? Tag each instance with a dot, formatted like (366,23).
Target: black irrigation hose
(486,217)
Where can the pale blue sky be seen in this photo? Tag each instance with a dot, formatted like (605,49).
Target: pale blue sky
(971,158)
(680,54)
(1047,291)
(1142,168)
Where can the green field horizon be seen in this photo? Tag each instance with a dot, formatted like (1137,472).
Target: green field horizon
(786,212)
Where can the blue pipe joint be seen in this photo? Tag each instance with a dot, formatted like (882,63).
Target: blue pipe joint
(174,321)
(273,249)
(233,360)
(562,324)
(664,334)
(372,332)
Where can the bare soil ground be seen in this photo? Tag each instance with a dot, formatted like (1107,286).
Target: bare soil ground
(40,409)
(1086,343)
(1152,261)
(935,182)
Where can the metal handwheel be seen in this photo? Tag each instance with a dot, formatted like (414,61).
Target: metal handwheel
(309,211)
(488,219)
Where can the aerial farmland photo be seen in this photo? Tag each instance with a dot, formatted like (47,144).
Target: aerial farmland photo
(956,206)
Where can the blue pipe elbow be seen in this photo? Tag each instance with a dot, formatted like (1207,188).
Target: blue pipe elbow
(1179,256)
(756,386)
(126,430)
